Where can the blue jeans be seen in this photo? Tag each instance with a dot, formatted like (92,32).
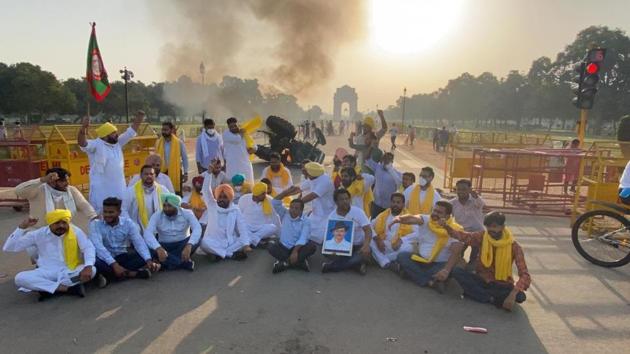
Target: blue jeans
(420,273)
(341,263)
(174,249)
(130,261)
(477,289)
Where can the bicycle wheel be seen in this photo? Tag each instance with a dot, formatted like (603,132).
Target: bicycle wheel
(603,238)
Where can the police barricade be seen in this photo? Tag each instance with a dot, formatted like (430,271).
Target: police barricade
(22,156)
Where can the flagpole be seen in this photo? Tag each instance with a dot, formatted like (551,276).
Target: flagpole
(87,97)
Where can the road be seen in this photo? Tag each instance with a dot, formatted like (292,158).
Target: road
(240,307)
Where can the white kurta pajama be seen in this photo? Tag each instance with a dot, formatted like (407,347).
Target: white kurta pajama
(52,270)
(260,226)
(226,230)
(152,203)
(162,179)
(407,244)
(276,182)
(107,173)
(321,206)
(236,157)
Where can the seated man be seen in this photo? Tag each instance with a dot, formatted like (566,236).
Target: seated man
(156,162)
(110,237)
(194,201)
(277,174)
(227,234)
(261,219)
(218,175)
(294,246)
(362,235)
(172,226)
(240,187)
(408,179)
(436,252)
(360,188)
(142,199)
(389,242)
(66,256)
(493,282)
(422,197)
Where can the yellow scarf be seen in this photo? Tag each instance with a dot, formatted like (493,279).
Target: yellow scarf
(250,127)
(282,173)
(258,189)
(196,201)
(442,238)
(142,210)
(503,247)
(381,232)
(174,165)
(358,188)
(71,251)
(415,207)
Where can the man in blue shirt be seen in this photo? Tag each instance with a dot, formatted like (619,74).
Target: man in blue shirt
(172,226)
(209,146)
(388,179)
(294,246)
(111,237)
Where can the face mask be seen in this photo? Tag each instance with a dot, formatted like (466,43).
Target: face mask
(237,188)
(211,132)
(423,181)
(495,235)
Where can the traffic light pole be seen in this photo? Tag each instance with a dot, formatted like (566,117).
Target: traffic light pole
(581,133)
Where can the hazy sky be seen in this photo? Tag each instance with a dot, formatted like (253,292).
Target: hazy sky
(485,35)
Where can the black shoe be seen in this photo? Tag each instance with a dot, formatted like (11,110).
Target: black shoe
(101,281)
(213,258)
(279,267)
(143,274)
(362,269)
(239,256)
(77,290)
(189,266)
(43,296)
(325,268)
(304,266)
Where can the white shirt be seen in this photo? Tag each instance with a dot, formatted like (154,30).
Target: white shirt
(321,206)
(49,246)
(427,240)
(436,196)
(152,203)
(107,172)
(253,214)
(368,181)
(161,179)
(276,182)
(236,156)
(359,219)
(624,182)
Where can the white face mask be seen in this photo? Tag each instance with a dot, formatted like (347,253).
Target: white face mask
(423,181)
(237,188)
(211,132)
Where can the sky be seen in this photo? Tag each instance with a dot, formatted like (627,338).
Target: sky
(466,36)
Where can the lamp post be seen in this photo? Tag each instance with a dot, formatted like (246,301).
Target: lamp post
(403,106)
(127,75)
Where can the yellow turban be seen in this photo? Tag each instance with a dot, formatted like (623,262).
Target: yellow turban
(259,188)
(105,129)
(58,215)
(369,121)
(314,169)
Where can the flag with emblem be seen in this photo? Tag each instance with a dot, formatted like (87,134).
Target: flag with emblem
(96,74)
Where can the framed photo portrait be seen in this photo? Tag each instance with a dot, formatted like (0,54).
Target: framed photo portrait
(339,236)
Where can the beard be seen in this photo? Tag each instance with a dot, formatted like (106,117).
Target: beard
(223,204)
(166,135)
(59,231)
(495,235)
(111,140)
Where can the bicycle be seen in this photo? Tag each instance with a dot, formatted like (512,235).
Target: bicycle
(602,236)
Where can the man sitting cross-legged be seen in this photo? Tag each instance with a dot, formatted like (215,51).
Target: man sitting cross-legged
(293,248)
(437,253)
(493,282)
(389,242)
(110,237)
(172,226)
(227,234)
(66,256)
(262,221)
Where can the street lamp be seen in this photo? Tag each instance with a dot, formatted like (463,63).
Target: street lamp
(403,106)
(127,75)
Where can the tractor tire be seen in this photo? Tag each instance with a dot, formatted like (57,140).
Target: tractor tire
(264,152)
(281,127)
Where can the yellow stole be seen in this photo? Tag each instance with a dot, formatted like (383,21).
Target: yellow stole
(358,188)
(380,227)
(142,210)
(250,127)
(266,206)
(282,173)
(197,203)
(502,258)
(415,207)
(174,165)
(71,250)
(442,238)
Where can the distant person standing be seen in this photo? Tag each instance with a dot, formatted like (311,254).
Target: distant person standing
(572,166)
(172,150)
(411,134)
(209,146)
(393,132)
(107,175)
(3,130)
(236,152)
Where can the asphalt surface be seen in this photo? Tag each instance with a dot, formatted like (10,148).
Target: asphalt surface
(241,307)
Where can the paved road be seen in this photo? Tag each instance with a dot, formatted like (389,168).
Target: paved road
(240,307)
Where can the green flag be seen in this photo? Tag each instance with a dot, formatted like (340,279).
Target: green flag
(96,74)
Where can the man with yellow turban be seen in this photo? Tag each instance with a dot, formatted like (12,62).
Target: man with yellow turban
(437,253)
(262,220)
(236,151)
(107,174)
(66,256)
(227,234)
(367,138)
(172,150)
(493,281)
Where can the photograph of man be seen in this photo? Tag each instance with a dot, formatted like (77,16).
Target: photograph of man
(336,240)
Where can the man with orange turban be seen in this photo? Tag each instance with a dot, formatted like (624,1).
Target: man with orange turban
(227,234)
(261,218)
(107,174)
(66,256)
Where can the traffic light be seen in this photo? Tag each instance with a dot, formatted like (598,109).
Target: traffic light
(588,78)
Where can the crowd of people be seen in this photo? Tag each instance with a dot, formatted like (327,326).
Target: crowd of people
(156,221)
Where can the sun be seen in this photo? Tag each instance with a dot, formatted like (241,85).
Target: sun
(410,26)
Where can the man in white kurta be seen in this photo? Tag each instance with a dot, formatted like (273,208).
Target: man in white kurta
(161,178)
(262,220)
(56,271)
(388,242)
(236,153)
(141,211)
(277,174)
(107,174)
(320,195)
(227,234)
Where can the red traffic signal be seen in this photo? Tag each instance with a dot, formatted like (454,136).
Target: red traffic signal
(592,68)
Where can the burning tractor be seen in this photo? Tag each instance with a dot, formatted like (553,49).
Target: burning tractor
(282,139)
